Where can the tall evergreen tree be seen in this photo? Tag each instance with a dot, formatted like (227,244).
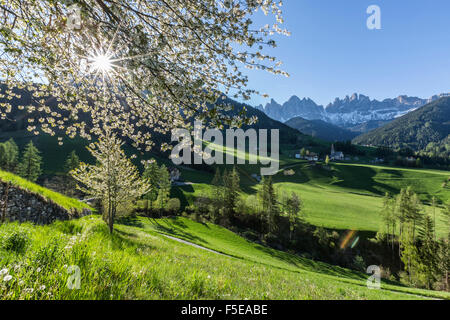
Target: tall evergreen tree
(429,250)
(294,206)
(269,202)
(151,174)
(164,185)
(9,155)
(231,183)
(30,167)
(218,195)
(389,219)
(72,162)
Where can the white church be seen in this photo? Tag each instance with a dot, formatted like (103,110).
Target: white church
(336,155)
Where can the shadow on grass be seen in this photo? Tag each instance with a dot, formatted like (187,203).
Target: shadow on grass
(121,240)
(177,230)
(130,221)
(310,265)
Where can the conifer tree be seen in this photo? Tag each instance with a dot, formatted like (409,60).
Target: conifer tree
(231,192)
(269,202)
(218,195)
(294,206)
(151,174)
(164,185)
(429,250)
(30,167)
(72,162)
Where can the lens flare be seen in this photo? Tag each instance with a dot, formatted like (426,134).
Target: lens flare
(101,63)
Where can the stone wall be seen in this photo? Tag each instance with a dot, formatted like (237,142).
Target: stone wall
(22,205)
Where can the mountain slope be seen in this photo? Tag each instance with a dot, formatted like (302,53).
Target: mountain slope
(321,129)
(416,130)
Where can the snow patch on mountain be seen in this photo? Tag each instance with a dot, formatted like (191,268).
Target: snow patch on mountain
(350,111)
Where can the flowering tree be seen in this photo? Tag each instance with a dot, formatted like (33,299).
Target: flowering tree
(131,65)
(114,179)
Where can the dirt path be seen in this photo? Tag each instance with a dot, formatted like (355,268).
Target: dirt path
(194,245)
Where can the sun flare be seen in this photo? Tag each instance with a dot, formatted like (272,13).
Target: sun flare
(102,63)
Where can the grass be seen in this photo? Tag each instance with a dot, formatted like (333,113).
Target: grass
(349,196)
(58,198)
(137,262)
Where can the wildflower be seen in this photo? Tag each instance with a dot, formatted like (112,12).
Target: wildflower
(38,269)
(3,271)
(7,277)
(42,287)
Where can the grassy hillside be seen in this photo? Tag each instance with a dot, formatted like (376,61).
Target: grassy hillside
(349,196)
(137,262)
(62,200)
(416,130)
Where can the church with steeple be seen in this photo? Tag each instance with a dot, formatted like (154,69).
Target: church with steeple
(336,155)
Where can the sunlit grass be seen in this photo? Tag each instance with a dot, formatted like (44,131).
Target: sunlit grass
(138,263)
(60,199)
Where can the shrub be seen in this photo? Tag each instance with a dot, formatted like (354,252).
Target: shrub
(359,264)
(173,205)
(16,241)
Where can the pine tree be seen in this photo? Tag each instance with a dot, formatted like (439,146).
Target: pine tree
(294,206)
(410,256)
(444,261)
(113,180)
(30,167)
(164,185)
(151,173)
(231,192)
(9,155)
(218,195)
(388,217)
(72,162)
(269,202)
(429,250)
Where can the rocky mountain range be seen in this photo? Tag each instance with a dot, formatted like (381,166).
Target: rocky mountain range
(348,112)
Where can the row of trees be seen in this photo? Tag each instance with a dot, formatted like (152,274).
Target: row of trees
(425,258)
(226,206)
(158,177)
(29,166)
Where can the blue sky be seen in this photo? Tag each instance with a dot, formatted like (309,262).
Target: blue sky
(331,52)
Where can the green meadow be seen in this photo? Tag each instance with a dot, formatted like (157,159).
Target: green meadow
(345,196)
(139,262)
